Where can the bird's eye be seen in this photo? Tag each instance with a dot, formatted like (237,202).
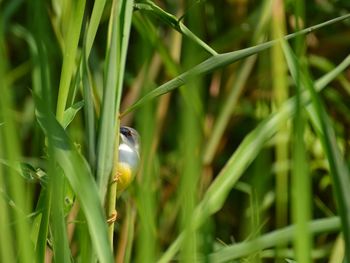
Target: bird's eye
(130,134)
(125,131)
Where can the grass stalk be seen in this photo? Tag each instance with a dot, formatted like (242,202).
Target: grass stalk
(301,181)
(280,89)
(146,239)
(108,140)
(274,238)
(190,139)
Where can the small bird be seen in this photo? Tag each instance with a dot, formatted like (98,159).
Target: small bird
(129,157)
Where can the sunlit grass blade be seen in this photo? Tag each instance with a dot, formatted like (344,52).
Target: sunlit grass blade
(70,113)
(79,175)
(324,128)
(93,25)
(244,155)
(70,51)
(338,250)
(175,23)
(272,239)
(219,61)
(325,65)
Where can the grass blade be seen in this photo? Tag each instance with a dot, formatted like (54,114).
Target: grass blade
(280,91)
(339,170)
(80,178)
(7,252)
(243,156)
(301,181)
(89,113)
(174,23)
(275,238)
(220,61)
(43,207)
(70,51)
(120,24)
(70,113)
(10,150)
(93,25)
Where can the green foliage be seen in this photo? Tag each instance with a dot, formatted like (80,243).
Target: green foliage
(238,143)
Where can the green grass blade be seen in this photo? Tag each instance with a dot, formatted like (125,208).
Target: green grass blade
(39,80)
(146,198)
(191,141)
(89,113)
(246,152)
(274,238)
(78,173)
(120,24)
(325,65)
(41,85)
(70,113)
(6,238)
(42,222)
(93,25)
(280,95)
(175,23)
(339,170)
(220,61)
(59,238)
(301,181)
(107,120)
(7,252)
(71,46)
(15,188)
(60,243)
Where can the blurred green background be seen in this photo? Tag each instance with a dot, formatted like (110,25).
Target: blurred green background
(243,158)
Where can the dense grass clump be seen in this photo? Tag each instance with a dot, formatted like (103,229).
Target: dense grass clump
(243,112)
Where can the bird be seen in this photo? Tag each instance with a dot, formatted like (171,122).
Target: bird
(128,157)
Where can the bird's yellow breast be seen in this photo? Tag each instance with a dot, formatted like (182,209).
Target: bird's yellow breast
(124,176)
